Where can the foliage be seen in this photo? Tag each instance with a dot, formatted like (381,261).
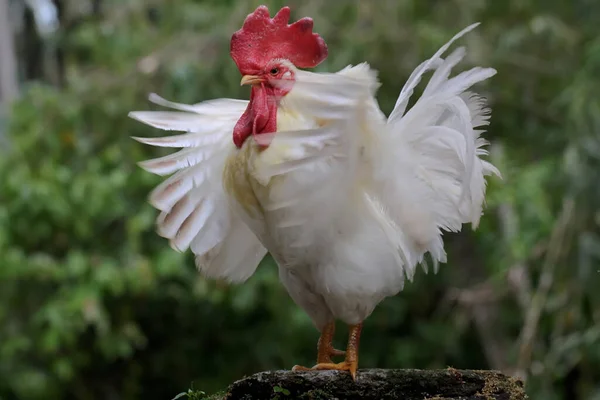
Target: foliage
(93,304)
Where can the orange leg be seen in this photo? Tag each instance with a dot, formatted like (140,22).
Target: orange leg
(350,363)
(325,348)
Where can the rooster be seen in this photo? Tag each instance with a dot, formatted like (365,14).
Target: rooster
(346,200)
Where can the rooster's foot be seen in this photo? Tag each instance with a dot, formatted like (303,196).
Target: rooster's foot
(326,351)
(350,366)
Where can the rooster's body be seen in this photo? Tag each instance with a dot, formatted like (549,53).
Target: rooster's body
(347,201)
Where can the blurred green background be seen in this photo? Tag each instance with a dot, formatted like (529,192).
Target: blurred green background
(94,305)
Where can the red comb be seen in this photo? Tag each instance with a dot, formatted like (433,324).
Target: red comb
(262,39)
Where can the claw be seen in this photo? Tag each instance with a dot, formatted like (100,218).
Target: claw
(353,368)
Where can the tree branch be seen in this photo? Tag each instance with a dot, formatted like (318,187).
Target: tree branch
(558,242)
(8,62)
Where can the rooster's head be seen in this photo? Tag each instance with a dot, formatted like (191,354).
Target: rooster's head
(267,51)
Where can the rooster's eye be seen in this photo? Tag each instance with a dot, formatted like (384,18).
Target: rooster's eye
(274,71)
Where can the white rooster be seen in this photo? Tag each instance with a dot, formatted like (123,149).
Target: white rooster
(347,201)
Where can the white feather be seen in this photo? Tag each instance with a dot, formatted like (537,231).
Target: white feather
(235,258)
(194,205)
(417,74)
(348,201)
(355,200)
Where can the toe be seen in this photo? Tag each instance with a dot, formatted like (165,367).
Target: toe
(329,366)
(337,353)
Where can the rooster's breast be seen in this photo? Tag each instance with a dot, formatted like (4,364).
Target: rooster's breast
(333,258)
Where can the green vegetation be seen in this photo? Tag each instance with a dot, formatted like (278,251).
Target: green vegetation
(94,305)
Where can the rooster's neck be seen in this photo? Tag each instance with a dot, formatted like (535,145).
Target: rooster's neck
(260,115)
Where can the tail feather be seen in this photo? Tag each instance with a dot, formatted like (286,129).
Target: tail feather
(415,77)
(428,165)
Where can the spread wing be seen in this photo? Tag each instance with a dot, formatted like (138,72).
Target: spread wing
(194,207)
(416,173)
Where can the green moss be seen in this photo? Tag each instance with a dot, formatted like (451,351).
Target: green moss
(495,384)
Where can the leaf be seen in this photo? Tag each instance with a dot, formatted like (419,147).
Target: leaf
(279,389)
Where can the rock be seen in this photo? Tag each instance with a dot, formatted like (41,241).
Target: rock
(379,384)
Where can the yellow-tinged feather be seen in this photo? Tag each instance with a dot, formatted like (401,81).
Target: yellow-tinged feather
(238,181)
(248,188)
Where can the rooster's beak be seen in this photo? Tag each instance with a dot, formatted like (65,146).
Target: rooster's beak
(251,80)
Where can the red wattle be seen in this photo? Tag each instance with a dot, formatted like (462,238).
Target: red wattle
(260,115)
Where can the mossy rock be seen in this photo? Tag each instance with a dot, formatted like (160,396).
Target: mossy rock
(405,384)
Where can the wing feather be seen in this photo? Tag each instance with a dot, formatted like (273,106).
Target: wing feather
(195,211)
(172,163)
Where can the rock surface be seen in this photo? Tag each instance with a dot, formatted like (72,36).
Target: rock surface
(405,384)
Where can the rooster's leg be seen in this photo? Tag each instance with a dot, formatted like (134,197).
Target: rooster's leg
(350,363)
(325,348)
